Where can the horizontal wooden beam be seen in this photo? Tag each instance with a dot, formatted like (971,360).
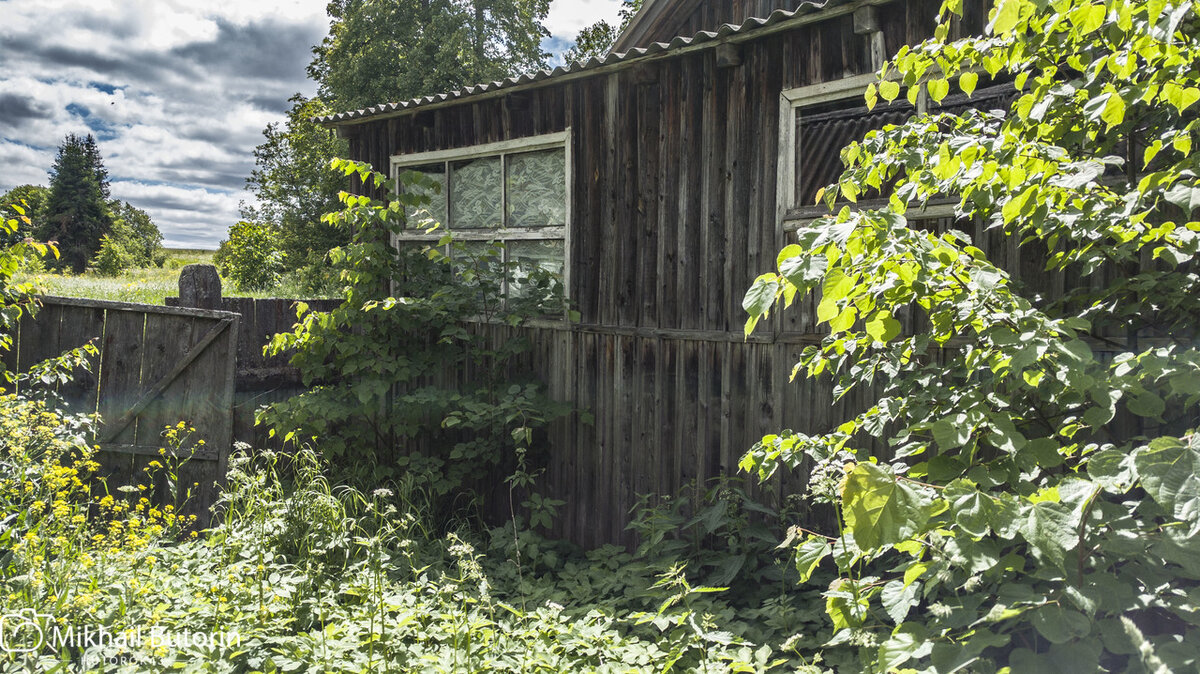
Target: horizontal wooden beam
(130,306)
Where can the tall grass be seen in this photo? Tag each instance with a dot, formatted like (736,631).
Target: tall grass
(147,285)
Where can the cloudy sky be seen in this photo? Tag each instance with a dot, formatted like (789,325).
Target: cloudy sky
(176,92)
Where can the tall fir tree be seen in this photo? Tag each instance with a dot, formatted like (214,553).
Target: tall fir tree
(77,214)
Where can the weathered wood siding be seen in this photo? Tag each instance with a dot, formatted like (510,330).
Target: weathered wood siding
(674,215)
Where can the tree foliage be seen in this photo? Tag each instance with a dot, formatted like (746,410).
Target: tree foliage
(135,231)
(251,256)
(77,214)
(596,40)
(389,50)
(293,186)
(16,299)
(1036,507)
(32,199)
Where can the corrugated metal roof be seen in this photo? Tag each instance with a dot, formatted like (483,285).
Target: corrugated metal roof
(725,31)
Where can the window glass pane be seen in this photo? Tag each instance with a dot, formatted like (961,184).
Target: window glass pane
(475,194)
(823,130)
(436,209)
(539,265)
(537,189)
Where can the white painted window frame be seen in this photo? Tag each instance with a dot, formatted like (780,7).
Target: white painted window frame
(551,141)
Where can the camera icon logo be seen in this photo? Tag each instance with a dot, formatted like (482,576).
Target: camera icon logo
(22,632)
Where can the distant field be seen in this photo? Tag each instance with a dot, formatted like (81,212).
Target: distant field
(144,286)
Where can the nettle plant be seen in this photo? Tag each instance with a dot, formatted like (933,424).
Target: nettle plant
(1038,506)
(412,372)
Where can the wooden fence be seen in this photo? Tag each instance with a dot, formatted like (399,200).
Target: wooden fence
(259,379)
(156,366)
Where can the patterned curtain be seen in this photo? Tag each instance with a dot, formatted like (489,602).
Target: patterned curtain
(537,189)
(422,218)
(475,194)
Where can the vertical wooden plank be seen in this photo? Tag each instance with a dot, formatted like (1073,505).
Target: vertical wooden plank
(649,144)
(668,202)
(121,369)
(159,357)
(713,204)
(610,241)
(666,444)
(39,336)
(627,416)
(627,218)
(79,326)
(223,436)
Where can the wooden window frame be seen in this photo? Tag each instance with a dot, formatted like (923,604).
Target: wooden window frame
(552,141)
(791,101)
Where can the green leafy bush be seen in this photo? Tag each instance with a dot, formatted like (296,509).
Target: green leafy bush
(113,257)
(1036,508)
(251,257)
(134,230)
(382,403)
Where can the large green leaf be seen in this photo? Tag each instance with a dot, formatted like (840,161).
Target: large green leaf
(898,599)
(1059,625)
(804,270)
(1047,526)
(881,510)
(1169,470)
(808,555)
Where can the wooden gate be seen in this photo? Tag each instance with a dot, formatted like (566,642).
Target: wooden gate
(157,366)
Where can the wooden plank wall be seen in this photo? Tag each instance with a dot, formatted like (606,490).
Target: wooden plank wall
(674,215)
(139,346)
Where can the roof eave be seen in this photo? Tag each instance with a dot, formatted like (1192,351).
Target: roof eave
(751,29)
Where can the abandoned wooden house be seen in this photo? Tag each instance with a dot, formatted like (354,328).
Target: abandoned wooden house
(660,181)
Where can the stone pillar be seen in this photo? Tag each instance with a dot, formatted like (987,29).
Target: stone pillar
(200,287)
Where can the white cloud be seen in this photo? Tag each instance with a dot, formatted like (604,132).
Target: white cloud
(200,217)
(177,93)
(568,17)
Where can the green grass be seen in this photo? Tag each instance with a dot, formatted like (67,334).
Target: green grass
(144,286)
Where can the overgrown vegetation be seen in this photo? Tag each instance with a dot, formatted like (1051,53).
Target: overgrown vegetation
(386,369)
(251,257)
(1036,508)
(303,575)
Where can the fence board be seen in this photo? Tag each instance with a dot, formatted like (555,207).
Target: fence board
(141,349)
(121,370)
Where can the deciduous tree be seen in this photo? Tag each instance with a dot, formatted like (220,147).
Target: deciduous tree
(294,186)
(388,50)
(1021,494)
(596,40)
(32,199)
